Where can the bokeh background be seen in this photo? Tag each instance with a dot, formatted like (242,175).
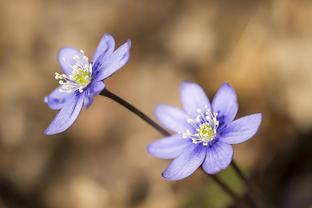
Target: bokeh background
(262,48)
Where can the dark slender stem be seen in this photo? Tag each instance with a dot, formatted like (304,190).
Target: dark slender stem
(239,173)
(255,193)
(134,110)
(224,187)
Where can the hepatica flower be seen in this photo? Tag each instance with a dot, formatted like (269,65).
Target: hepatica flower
(204,132)
(82,80)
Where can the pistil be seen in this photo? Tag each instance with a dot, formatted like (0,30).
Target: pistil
(205,124)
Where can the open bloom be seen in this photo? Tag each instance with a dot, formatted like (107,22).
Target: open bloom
(204,132)
(82,80)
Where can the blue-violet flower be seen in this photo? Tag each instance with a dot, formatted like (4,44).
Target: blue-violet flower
(82,80)
(204,132)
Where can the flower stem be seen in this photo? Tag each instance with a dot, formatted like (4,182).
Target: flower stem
(134,110)
(161,130)
(255,195)
(239,172)
(225,188)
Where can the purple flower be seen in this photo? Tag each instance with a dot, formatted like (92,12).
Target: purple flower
(204,132)
(82,80)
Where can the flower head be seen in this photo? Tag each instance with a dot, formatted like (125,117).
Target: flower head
(204,132)
(82,80)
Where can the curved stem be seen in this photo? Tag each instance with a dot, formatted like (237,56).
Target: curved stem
(239,173)
(134,110)
(225,188)
(255,193)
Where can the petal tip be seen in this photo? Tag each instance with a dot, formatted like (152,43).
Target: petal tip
(227,85)
(187,83)
(212,172)
(129,43)
(52,131)
(158,109)
(258,117)
(108,35)
(149,148)
(172,177)
(48,132)
(59,52)
(168,178)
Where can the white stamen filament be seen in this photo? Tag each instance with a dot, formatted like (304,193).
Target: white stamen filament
(80,76)
(205,125)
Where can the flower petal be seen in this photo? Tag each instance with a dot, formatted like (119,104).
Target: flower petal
(186,164)
(57,99)
(114,62)
(168,147)
(94,89)
(88,100)
(241,129)
(105,48)
(193,97)
(225,104)
(218,157)
(66,59)
(66,116)
(173,118)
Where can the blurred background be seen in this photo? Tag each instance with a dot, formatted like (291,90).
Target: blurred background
(262,48)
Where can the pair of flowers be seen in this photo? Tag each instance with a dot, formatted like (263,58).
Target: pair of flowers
(203,132)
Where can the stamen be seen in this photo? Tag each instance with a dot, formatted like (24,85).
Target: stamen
(80,76)
(205,125)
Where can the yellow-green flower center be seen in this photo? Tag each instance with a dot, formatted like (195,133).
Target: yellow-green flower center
(82,77)
(206,132)
(204,127)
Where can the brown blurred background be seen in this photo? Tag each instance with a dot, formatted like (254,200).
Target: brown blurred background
(262,48)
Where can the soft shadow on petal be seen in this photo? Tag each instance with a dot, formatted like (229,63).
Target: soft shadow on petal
(57,99)
(218,157)
(66,116)
(105,48)
(96,87)
(193,97)
(186,164)
(225,104)
(114,62)
(88,100)
(168,147)
(66,59)
(241,129)
(173,118)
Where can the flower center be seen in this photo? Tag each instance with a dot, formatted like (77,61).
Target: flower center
(206,132)
(205,124)
(80,76)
